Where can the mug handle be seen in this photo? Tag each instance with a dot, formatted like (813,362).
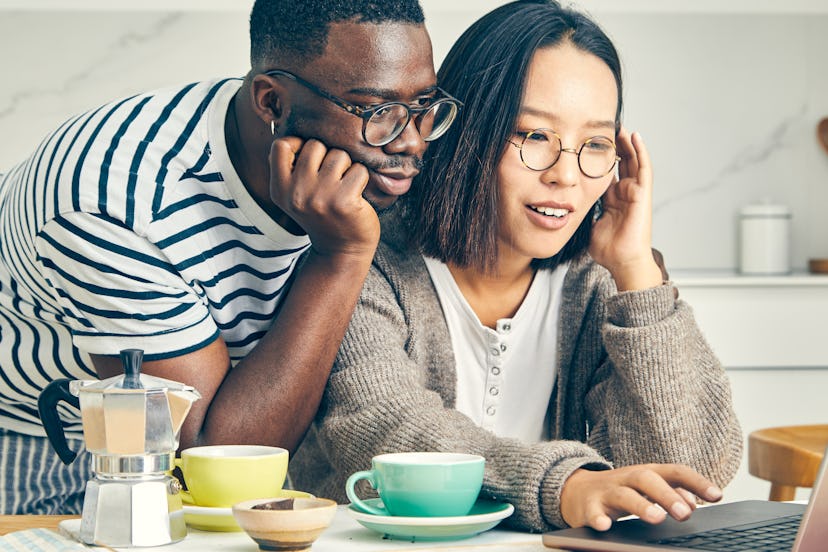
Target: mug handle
(186,497)
(355,500)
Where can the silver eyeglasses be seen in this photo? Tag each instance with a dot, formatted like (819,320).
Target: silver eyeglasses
(541,148)
(381,124)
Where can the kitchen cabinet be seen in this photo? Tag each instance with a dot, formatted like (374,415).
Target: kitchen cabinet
(771,334)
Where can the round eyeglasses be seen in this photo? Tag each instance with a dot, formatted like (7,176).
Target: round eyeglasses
(541,148)
(383,123)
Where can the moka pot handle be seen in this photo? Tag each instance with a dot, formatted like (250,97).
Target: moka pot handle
(55,392)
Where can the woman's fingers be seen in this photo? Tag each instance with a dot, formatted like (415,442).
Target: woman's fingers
(675,487)
(648,491)
(635,158)
(647,481)
(687,478)
(644,170)
(627,500)
(598,519)
(628,167)
(688,497)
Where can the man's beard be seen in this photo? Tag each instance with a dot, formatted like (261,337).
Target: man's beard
(380,210)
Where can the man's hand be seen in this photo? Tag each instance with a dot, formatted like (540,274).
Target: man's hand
(321,190)
(596,498)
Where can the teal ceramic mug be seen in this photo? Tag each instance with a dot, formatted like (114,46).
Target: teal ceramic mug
(421,484)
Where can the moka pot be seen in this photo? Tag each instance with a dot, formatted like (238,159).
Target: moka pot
(131,425)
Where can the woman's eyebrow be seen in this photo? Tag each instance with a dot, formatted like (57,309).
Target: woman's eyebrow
(596,123)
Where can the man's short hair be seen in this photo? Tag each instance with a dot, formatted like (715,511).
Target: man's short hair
(298,30)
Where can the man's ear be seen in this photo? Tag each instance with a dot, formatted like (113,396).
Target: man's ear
(268,99)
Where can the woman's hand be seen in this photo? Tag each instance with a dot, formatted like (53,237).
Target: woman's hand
(622,237)
(596,498)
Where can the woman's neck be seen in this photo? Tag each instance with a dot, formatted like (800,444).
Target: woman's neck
(496,295)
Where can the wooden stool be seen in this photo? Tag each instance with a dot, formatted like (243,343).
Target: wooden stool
(788,457)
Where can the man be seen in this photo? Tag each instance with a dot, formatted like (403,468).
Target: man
(224,227)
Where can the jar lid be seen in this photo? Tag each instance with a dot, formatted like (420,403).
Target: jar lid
(765,210)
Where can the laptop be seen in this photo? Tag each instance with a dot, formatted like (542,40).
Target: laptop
(755,525)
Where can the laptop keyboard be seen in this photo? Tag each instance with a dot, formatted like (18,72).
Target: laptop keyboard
(774,535)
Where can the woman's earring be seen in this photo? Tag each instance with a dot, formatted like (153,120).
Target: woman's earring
(598,210)
(272,127)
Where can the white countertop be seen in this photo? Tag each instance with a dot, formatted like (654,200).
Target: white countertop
(345,535)
(732,278)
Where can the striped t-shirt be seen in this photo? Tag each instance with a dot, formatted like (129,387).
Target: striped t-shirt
(129,228)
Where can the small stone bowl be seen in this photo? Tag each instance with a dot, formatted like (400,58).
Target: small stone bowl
(284,524)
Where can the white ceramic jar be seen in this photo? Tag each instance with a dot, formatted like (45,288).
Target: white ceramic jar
(765,237)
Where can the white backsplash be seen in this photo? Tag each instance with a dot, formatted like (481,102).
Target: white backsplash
(727,103)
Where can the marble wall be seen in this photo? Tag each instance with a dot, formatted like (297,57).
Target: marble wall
(727,102)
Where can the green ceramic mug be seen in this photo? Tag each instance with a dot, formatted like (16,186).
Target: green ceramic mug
(421,484)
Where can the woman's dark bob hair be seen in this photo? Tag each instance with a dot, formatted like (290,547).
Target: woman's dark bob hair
(452,207)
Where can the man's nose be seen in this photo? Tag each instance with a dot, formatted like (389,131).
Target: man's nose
(409,142)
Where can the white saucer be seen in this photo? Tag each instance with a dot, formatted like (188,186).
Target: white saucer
(208,518)
(484,515)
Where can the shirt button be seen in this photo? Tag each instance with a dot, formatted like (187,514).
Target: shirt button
(507,327)
(503,347)
(491,411)
(495,370)
(493,391)
(495,351)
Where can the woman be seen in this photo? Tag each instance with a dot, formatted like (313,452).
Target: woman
(514,310)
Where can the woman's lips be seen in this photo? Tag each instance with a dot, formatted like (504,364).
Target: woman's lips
(553,218)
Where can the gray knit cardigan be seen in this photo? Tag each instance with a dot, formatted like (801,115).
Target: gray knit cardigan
(636,383)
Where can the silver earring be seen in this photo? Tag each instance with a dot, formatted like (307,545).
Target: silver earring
(598,210)
(272,127)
